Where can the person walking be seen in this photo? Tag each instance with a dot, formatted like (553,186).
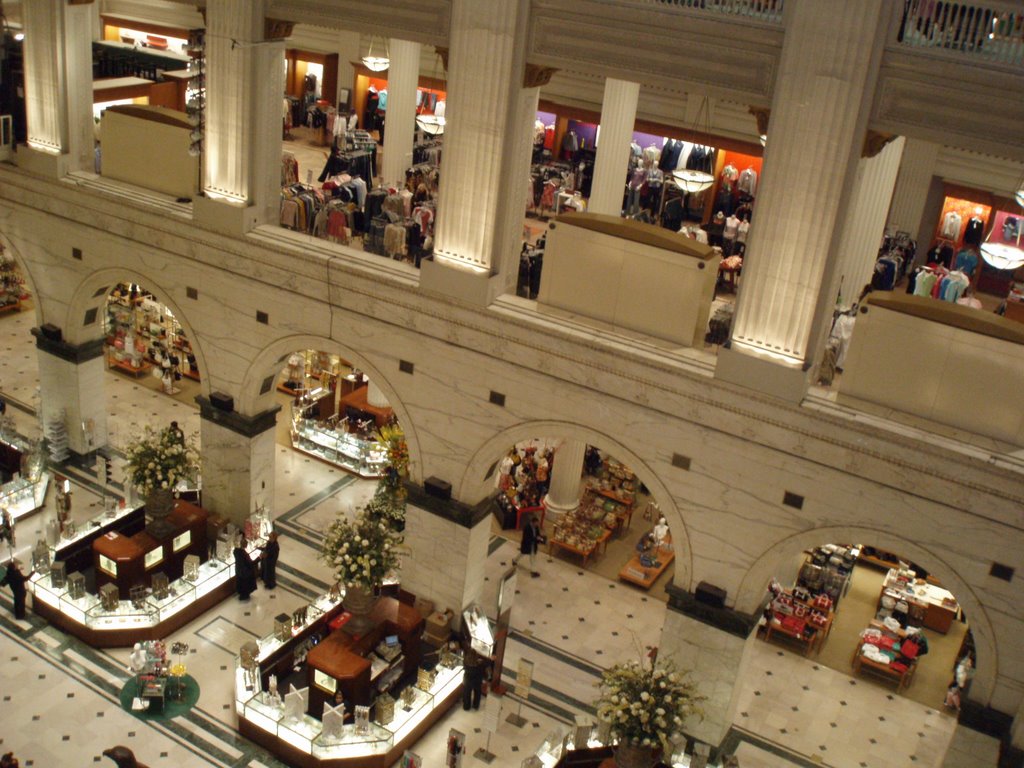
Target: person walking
(245,571)
(15,579)
(268,563)
(532,537)
(474,666)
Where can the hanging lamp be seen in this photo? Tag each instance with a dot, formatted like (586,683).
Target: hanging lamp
(689,180)
(377,63)
(1007,254)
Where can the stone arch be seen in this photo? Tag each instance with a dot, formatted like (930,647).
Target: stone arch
(477,480)
(92,293)
(753,587)
(271,359)
(12,251)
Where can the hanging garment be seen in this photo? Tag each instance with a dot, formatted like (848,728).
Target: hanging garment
(974,232)
(951,225)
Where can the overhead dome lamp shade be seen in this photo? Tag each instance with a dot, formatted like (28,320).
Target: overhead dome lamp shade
(376,63)
(1002,255)
(692,181)
(431,124)
(1019,197)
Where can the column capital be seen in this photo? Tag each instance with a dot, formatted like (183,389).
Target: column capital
(52,343)
(442,51)
(875,142)
(761,115)
(277,29)
(728,620)
(447,509)
(247,426)
(535,75)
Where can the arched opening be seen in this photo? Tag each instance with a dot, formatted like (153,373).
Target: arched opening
(859,626)
(20,310)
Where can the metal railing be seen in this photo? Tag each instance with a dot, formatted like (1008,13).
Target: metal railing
(990,31)
(758,10)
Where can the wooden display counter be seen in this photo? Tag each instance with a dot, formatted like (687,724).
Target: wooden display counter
(600,543)
(644,576)
(929,605)
(125,367)
(357,399)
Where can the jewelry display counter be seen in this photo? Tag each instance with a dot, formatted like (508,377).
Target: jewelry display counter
(366,458)
(288,730)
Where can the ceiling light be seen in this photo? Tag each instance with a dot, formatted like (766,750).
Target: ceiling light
(692,181)
(431,124)
(1002,255)
(376,63)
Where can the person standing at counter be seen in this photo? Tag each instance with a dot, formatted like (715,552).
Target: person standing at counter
(268,563)
(15,579)
(245,571)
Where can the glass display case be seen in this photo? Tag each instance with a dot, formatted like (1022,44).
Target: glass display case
(376,741)
(87,529)
(366,458)
(23,495)
(124,616)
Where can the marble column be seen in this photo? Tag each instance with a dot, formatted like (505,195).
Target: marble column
(917,167)
(403,78)
(618,115)
(70,378)
(244,86)
(820,107)
(564,492)
(448,543)
(58,85)
(863,223)
(485,70)
(236,460)
(374,396)
(711,643)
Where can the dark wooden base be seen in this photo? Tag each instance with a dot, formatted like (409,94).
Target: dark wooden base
(124,638)
(296,757)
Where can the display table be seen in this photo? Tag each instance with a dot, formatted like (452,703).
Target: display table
(584,551)
(801,620)
(300,741)
(903,676)
(644,576)
(812,642)
(928,605)
(124,366)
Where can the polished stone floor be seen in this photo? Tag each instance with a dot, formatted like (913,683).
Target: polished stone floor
(59,697)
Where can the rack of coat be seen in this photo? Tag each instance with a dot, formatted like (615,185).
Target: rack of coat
(895,257)
(546,181)
(398,229)
(358,162)
(299,206)
(427,152)
(938,282)
(289,169)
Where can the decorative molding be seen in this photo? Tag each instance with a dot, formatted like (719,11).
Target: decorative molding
(874,142)
(247,426)
(421,21)
(442,51)
(277,29)
(762,116)
(727,620)
(79,2)
(73,353)
(536,75)
(448,509)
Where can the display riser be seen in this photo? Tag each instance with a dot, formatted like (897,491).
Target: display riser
(125,638)
(297,758)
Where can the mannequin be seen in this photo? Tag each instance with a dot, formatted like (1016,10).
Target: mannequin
(137,660)
(661,531)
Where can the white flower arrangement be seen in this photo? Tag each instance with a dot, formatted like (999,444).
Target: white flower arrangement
(647,703)
(362,551)
(159,460)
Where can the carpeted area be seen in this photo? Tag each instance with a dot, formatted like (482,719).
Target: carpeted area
(857,609)
(176,702)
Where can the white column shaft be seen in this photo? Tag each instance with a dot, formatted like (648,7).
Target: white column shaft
(237,471)
(819,115)
(72,387)
(564,492)
(618,115)
(915,177)
(509,240)
(403,78)
(482,74)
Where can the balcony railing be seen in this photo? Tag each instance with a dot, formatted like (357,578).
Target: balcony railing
(757,10)
(992,31)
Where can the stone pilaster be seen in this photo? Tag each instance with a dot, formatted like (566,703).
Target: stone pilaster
(403,77)
(58,85)
(820,106)
(863,223)
(70,378)
(244,87)
(618,115)
(485,71)
(917,167)
(711,643)
(236,460)
(448,550)
(564,492)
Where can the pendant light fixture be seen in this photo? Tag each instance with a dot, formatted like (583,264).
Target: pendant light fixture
(1007,253)
(432,125)
(376,63)
(689,180)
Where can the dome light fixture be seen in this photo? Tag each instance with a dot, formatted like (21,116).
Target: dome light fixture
(687,179)
(432,125)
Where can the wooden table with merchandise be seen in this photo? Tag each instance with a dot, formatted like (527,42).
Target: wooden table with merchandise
(623,511)
(903,677)
(601,541)
(644,576)
(811,642)
(121,365)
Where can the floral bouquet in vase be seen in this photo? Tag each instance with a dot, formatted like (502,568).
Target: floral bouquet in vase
(156,463)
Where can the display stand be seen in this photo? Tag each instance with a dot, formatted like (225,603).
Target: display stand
(635,572)
(524,677)
(492,712)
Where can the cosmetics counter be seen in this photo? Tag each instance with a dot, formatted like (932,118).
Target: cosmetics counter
(345,735)
(26,492)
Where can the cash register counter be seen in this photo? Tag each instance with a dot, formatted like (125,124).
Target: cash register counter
(336,660)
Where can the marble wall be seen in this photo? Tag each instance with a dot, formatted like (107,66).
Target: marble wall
(954,506)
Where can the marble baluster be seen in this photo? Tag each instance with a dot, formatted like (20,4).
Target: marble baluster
(403,78)
(618,114)
(567,469)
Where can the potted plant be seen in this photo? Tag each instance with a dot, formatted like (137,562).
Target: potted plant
(388,502)
(645,703)
(156,463)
